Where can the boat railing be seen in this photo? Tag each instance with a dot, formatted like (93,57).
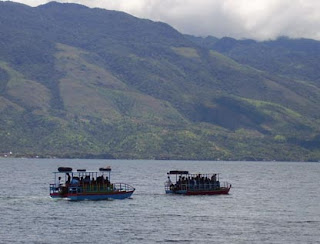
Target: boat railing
(90,188)
(87,188)
(95,187)
(122,187)
(226,185)
(198,186)
(54,188)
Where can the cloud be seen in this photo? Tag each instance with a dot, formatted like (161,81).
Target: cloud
(257,19)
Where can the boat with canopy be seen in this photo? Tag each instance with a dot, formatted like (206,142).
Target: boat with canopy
(87,185)
(195,184)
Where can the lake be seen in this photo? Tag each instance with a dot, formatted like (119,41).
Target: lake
(269,202)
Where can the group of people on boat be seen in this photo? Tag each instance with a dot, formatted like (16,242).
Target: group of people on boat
(198,181)
(90,185)
(85,180)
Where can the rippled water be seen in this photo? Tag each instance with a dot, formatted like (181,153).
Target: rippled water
(269,203)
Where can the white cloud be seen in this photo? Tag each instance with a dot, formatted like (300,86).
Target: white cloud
(258,19)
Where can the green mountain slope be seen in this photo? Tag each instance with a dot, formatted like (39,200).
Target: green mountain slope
(81,82)
(293,58)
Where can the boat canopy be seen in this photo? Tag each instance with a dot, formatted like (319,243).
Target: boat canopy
(187,174)
(178,172)
(64,169)
(105,169)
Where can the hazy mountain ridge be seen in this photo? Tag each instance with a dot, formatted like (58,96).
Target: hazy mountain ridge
(87,82)
(293,58)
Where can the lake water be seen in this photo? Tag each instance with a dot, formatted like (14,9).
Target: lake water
(269,202)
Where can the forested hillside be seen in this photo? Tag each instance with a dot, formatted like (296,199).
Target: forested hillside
(93,83)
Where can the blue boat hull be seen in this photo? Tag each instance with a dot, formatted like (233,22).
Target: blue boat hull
(176,192)
(94,197)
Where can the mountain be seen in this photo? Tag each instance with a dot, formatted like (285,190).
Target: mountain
(296,59)
(82,82)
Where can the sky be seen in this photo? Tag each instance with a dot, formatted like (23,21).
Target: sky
(254,19)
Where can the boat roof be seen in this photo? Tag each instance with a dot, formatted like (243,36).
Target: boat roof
(183,172)
(178,172)
(65,170)
(87,171)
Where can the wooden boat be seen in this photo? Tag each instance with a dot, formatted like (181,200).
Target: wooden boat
(87,185)
(195,184)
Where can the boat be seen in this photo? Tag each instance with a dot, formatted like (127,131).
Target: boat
(195,184)
(87,185)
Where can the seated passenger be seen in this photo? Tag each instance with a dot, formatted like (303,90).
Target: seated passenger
(93,181)
(87,179)
(58,183)
(214,178)
(75,181)
(68,180)
(169,182)
(107,182)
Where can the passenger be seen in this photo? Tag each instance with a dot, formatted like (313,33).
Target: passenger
(214,178)
(169,182)
(59,182)
(93,181)
(98,179)
(69,178)
(102,179)
(107,182)
(206,182)
(75,181)
(191,182)
(87,179)
(179,181)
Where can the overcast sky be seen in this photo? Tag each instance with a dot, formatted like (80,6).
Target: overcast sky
(256,19)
